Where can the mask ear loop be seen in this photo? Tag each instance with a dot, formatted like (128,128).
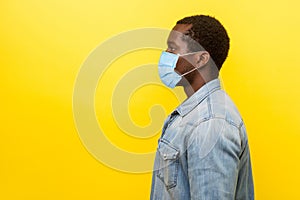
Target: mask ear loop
(185,54)
(195,68)
(182,75)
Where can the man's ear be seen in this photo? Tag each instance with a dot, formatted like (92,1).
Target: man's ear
(202,58)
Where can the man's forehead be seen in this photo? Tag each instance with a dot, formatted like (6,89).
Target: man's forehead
(178,31)
(182,28)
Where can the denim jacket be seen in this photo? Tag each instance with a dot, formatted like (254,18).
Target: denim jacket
(203,151)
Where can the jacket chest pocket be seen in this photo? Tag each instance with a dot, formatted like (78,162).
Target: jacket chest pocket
(168,164)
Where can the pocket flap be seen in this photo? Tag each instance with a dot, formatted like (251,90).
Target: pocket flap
(167,151)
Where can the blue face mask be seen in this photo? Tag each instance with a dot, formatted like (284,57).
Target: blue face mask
(167,64)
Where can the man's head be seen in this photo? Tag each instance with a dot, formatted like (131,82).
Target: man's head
(201,43)
(208,33)
(207,38)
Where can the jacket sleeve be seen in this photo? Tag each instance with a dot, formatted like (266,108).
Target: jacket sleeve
(213,159)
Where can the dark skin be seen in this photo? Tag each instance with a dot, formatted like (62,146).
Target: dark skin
(200,60)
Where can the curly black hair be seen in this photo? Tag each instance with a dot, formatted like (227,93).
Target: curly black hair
(210,34)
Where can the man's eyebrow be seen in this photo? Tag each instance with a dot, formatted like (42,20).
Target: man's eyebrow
(171,43)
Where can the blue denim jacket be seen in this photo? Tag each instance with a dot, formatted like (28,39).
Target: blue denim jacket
(203,151)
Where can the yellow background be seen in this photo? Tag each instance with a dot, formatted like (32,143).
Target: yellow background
(44,43)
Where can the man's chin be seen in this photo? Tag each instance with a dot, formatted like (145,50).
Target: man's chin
(184,83)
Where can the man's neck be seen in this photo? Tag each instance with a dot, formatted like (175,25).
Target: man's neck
(191,89)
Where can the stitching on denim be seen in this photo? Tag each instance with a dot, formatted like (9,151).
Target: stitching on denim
(175,164)
(212,90)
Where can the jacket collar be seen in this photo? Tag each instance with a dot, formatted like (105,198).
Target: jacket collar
(189,104)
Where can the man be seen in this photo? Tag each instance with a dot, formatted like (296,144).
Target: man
(203,151)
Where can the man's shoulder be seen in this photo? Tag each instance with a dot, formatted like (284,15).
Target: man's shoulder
(222,106)
(217,105)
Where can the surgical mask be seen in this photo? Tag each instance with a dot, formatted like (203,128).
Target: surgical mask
(167,64)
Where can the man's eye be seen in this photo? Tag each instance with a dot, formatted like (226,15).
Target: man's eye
(171,49)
